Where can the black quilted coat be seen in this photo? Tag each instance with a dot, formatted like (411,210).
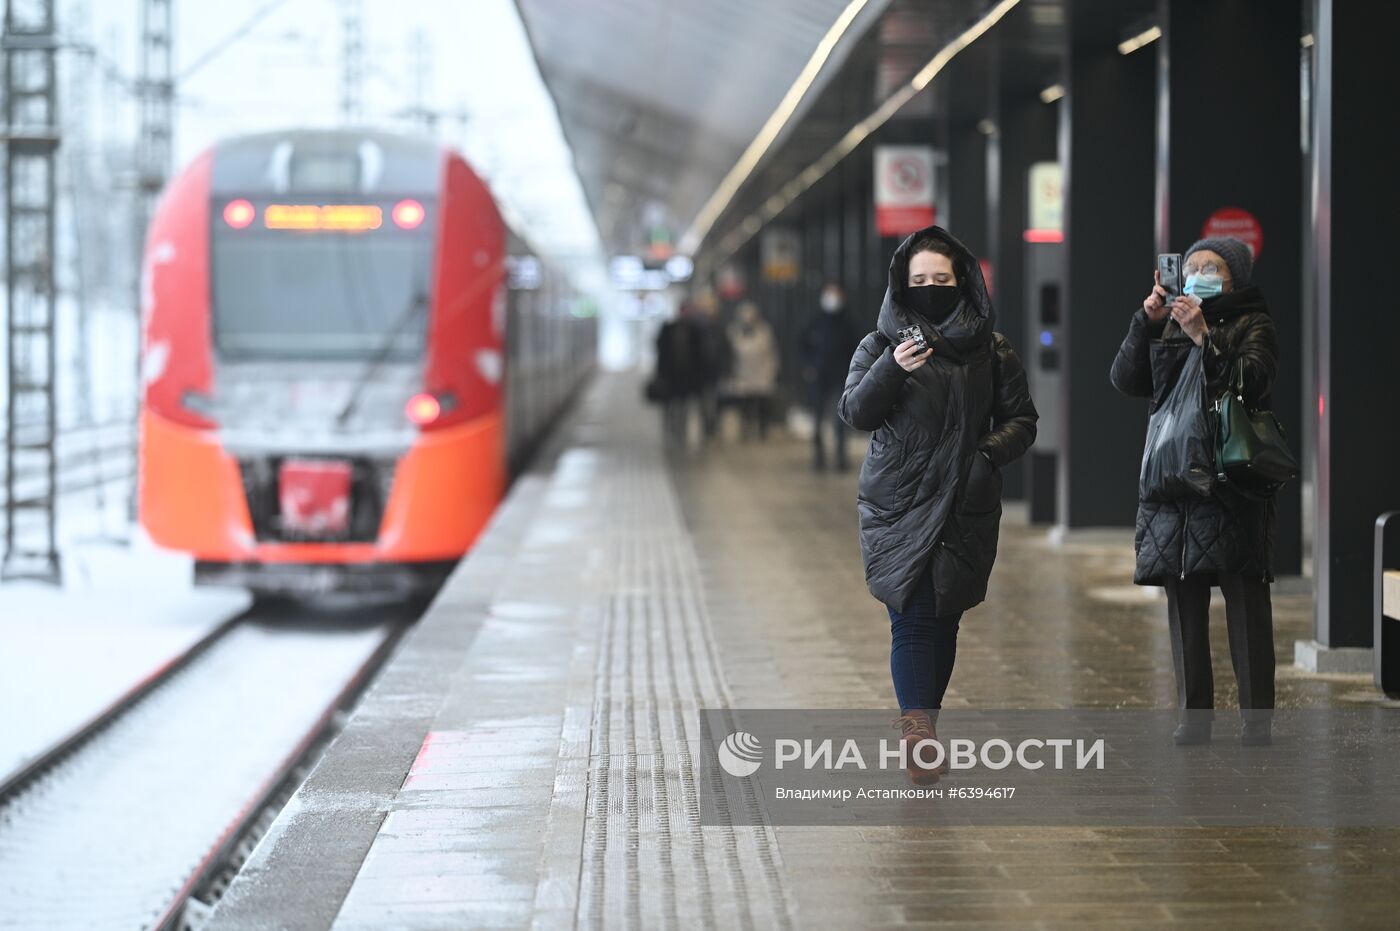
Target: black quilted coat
(1225,532)
(929,497)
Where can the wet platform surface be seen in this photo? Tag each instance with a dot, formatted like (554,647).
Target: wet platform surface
(526,759)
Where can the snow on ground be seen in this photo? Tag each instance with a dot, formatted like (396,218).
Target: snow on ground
(125,606)
(124,609)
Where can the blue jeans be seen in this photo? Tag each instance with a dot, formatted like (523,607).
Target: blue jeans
(923,646)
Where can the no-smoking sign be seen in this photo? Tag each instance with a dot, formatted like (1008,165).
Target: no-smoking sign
(903,189)
(909,176)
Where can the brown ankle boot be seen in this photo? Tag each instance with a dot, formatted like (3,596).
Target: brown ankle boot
(915,726)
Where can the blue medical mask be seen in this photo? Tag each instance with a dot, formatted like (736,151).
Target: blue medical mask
(1204,286)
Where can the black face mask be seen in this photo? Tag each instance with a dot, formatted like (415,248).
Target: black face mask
(935,302)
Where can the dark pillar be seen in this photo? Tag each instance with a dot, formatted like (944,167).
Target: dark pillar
(864,278)
(966,215)
(1106,132)
(1228,82)
(830,213)
(851,253)
(1358,330)
(1025,135)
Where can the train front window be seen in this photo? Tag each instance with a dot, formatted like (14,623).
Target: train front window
(297,280)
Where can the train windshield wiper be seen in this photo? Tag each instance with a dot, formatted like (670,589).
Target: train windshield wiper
(416,304)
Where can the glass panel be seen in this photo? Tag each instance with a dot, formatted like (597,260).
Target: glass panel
(320,294)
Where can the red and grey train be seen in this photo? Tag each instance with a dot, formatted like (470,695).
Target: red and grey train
(339,366)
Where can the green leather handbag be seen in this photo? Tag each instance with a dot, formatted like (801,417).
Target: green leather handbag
(1251,452)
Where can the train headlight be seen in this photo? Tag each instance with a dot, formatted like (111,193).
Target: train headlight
(239,214)
(408,214)
(422,409)
(425,408)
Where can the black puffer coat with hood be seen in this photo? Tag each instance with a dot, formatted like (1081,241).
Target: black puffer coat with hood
(929,497)
(1225,532)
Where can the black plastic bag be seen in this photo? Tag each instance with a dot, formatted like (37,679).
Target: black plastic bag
(1178,460)
(656,390)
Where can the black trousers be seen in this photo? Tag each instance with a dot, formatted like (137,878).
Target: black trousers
(675,418)
(753,415)
(1249,625)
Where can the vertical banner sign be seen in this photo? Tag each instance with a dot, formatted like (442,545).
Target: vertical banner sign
(780,251)
(903,189)
(1046,201)
(1236,223)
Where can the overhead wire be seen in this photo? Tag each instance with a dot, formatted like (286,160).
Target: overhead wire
(228,41)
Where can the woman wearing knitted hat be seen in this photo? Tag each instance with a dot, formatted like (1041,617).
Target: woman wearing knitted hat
(1225,539)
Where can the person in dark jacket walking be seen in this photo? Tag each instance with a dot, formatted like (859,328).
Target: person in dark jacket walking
(714,358)
(679,371)
(1225,539)
(827,344)
(946,420)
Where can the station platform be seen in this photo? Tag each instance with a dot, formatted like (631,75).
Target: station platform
(526,758)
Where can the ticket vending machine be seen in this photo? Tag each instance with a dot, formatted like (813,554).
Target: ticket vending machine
(1045,306)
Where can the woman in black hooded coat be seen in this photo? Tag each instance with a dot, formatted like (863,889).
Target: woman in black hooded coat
(946,420)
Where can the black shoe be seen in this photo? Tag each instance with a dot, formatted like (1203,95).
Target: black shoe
(1192,732)
(1257,730)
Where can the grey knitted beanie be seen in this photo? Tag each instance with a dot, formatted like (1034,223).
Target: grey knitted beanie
(1235,253)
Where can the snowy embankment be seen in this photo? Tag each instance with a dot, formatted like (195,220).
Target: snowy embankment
(125,606)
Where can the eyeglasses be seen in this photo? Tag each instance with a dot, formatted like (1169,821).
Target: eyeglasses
(1209,268)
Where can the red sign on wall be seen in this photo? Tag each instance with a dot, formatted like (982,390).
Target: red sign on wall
(903,189)
(1236,223)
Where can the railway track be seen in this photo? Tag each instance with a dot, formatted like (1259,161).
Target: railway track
(131,820)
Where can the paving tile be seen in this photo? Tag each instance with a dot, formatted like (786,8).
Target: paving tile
(555,786)
(1048,636)
(435,916)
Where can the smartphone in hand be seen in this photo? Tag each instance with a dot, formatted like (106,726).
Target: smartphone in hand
(1169,271)
(914,333)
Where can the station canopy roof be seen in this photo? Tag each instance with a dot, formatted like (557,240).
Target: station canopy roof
(659,100)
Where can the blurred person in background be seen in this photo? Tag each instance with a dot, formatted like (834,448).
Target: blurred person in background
(946,419)
(753,374)
(676,384)
(713,358)
(827,344)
